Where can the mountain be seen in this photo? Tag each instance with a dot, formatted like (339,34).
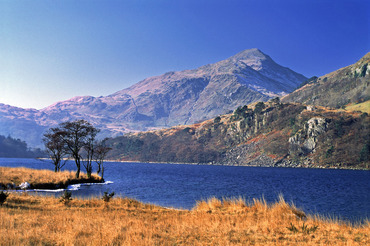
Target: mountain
(21,124)
(337,89)
(192,95)
(264,134)
(174,98)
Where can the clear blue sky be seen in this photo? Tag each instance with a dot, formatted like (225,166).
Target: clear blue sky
(53,50)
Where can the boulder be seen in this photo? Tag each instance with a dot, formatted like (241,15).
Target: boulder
(24,185)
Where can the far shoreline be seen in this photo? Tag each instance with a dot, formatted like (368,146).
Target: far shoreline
(217,164)
(232,165)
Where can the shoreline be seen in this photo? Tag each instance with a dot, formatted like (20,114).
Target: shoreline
(218,164)
(233,165)
(54,186)
(49,186)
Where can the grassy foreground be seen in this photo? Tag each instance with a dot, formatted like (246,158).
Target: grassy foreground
(35,220)
(42,179)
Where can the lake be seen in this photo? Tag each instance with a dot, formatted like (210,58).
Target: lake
(342,194)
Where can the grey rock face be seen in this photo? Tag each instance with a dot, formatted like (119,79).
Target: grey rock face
(241,156)
(305,140)
(316,126)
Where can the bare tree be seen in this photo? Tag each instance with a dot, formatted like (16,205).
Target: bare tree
(100,153)
(76,135)
(53,140)
(89,149)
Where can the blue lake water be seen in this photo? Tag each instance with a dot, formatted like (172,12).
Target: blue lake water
(343,194)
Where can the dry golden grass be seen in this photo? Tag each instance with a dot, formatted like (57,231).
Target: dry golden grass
(363,107)
(35,220)
(36,177)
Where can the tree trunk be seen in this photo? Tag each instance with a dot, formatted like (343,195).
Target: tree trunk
(97,172)
(78,165)
(78,172)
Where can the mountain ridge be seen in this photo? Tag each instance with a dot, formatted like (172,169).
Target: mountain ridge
(173,98)
(346,85)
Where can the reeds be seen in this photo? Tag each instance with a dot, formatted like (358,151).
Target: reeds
(35,220)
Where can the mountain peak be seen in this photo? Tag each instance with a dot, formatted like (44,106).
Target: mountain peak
(251,54)
(173,98)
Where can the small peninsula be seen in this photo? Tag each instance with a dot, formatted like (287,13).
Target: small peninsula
(12,178)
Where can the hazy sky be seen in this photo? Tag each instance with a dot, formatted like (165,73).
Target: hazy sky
(57,49)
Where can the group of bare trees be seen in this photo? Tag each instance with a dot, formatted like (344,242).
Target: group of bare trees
(76,140)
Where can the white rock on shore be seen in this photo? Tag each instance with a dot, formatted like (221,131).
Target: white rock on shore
(24,185)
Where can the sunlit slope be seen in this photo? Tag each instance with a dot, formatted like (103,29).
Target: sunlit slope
(337,89)
(262,134)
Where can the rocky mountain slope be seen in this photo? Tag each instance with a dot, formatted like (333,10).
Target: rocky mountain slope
(337,89)
(193,95)
(271,134)
(173,98)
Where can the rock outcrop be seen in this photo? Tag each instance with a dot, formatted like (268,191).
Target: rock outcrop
(305,140)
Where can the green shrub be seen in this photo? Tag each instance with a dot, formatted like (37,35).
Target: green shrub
(259,107)
(304,228)
(106,197)
(66,197)
(339,131)
(329,152)
(217,120)
(365,153)
(363,70)
(3,196)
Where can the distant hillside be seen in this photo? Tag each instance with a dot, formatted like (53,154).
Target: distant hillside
(271,134)
(16,148)
(174,98)
(22,124)
(349,85)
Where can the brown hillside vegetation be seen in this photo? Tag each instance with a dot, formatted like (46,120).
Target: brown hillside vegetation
(35,220)
(336,89)
(266,134)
